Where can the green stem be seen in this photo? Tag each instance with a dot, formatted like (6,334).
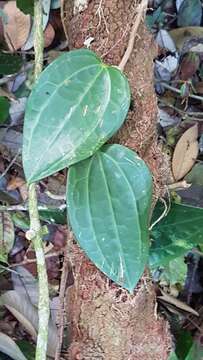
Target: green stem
(35,235)
(38,37)
(35,232)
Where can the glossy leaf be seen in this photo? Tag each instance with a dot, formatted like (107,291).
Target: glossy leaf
(175,271)
(7,235)
(175,234)
(77,104)
(108,199)
(195,176)
(196,351)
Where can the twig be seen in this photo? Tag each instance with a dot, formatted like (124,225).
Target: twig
(35,235)
(169,87)
(35,232)
(31,261)
(10,164)
(164,213)
(140,13)
(179,185)
(25,207)
(55,196)
(60,316)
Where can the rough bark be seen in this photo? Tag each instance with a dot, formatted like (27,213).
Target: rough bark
(105,321)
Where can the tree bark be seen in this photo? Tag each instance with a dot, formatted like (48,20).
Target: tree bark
(106,322)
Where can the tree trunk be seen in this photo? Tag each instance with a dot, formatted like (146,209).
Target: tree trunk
(106,322)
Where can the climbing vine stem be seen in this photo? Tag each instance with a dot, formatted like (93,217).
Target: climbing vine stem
(35,233)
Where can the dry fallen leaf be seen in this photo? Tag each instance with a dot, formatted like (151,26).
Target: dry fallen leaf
(49,34)
(183,36)
(18,183)
(177,303)
(185,153)
(14,183)
(17,29)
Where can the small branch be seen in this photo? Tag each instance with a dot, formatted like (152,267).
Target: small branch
(25,208)
(34,234)
(10,164)
(179,185)
(38,37)
(61,311)
(141,11)
(31,261)
(164,213)
(169,87)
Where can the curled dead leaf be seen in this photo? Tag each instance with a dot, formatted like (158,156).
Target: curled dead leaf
(17,29)
(49,35)
(185,153)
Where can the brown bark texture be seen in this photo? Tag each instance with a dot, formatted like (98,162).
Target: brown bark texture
(106,322)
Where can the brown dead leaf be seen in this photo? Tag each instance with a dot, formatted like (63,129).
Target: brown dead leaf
(189,65)
(199,87)
(17,29)
(20,184)
(15,182)
(185,153)
(177,303)
(185,35)
(49,35)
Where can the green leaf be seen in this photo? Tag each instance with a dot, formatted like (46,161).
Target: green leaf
(175,271)
(54,215)
(4,109)
(108,202)
(26,6)
(175,234)
(190,13)
(172,356)
(184,342)
(9,347)
(195,176)
(77,104)
(10,63)
(196,352)
(55,4)
(27,348)
(7,235)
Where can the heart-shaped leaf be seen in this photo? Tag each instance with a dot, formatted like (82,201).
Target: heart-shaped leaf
(77,104)
(7,235)
(108,200)
(175,234)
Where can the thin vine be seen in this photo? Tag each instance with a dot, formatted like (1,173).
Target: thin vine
(36,232)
